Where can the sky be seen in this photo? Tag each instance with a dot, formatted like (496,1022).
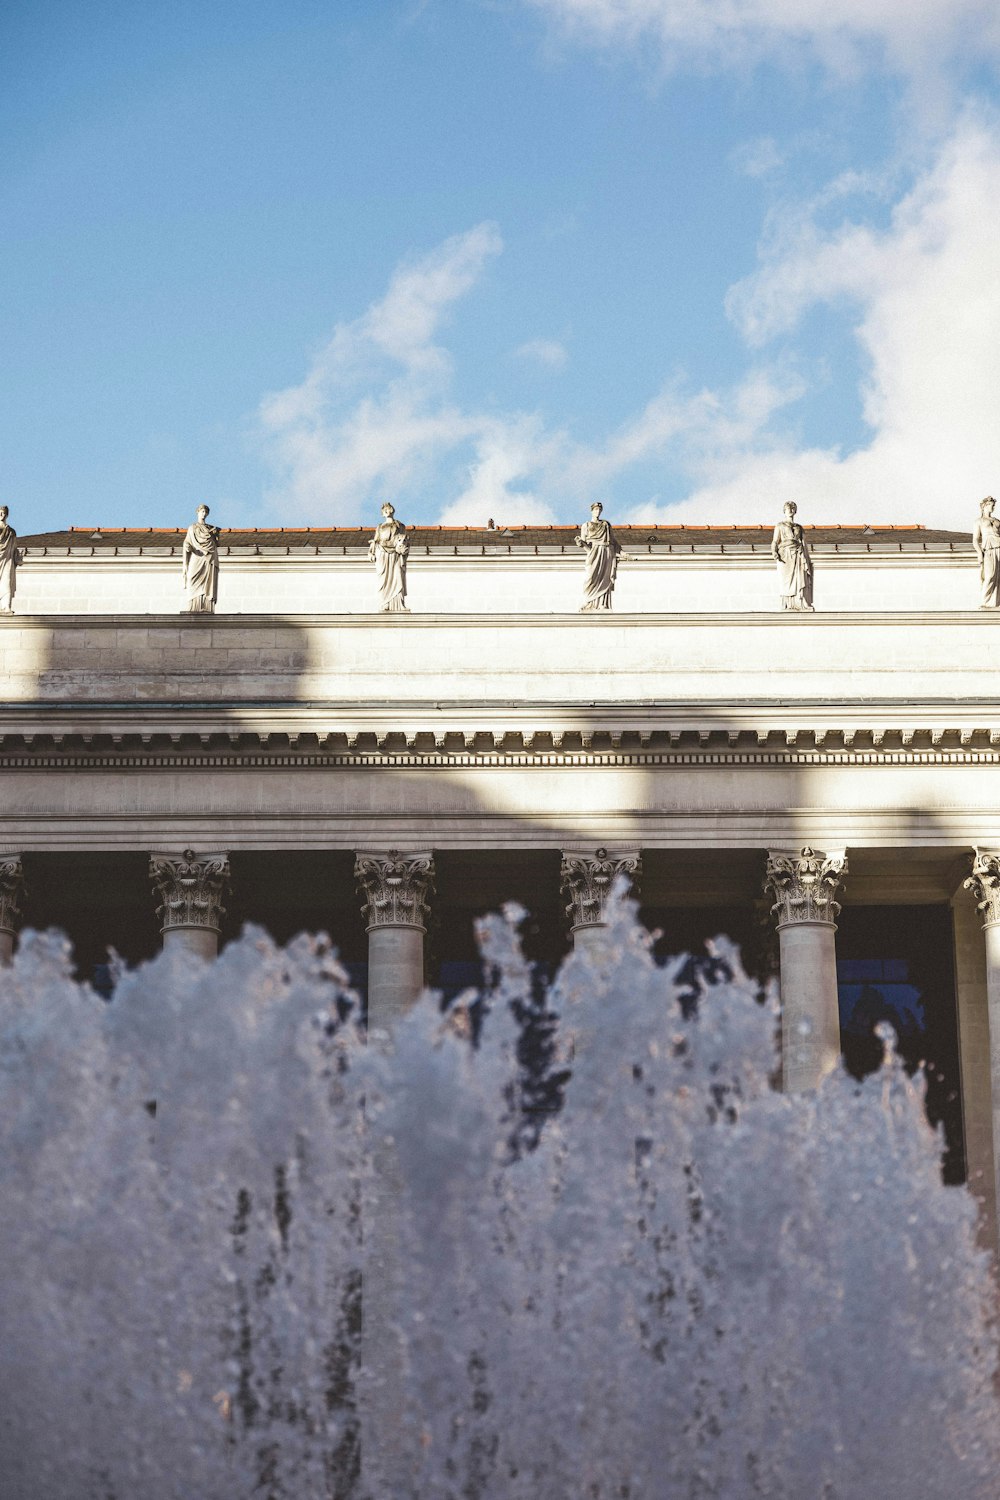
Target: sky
(496,259)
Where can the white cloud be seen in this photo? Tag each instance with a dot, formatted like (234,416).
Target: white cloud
(926,297)
(912,35)
(376,414)
(757,158)
(372,414)
(548,353)
(508,453)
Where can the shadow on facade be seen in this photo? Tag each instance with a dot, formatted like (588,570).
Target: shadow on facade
(690,892)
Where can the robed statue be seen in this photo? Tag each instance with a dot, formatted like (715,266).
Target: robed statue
(986,540)
(388,550)
(603,552)
(201,565)
(795,569)
(9,559)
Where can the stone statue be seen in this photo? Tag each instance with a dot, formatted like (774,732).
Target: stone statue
(9,559)
(201,565)
(388,550)
(795,569)
(986,540)
(603,551)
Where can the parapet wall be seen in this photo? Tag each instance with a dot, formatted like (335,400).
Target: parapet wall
(140,573)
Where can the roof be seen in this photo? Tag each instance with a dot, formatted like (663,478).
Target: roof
(672,538)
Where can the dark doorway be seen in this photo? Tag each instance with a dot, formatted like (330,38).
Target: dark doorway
(99,900)
(895,964)
(473,883)
(692,930)
(288,891)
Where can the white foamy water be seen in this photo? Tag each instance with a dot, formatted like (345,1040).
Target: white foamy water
(692,1286)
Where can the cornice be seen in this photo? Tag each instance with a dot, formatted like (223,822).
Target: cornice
(709,731)
(497,749)
(718,555)
(903,620)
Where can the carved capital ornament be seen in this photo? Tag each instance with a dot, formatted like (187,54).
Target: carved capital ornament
(11,891)
(586,879)
(394,888)
(984,883)
(805,885)
(190,887)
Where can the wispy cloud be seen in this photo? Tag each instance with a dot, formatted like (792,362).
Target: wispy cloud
(376,413)
(550,354)
(924,293)
(757,158)
(372,413)
(911,36)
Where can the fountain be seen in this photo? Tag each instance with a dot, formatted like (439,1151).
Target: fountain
(680,1283)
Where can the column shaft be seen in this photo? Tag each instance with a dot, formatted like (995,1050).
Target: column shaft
(992,934)
(805,885)
(203,942)
(589,939)
(394,888)
(810,1013)
(984,882)
(975,1026)
(395,972)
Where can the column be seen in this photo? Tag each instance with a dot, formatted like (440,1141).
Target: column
(973,1013)
(984,883)
(586,882)
(11,891)
(804,887)
(190,887)
(394,888)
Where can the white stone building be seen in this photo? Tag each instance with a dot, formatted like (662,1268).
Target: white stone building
(495,744)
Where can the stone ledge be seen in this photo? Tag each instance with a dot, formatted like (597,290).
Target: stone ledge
(609,620)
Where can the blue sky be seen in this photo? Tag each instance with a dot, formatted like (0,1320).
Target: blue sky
(499,258)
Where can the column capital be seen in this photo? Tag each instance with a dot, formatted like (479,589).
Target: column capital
(587,878)
(11,891)
(394,887)
(190,887)
(805,884)
(984,883)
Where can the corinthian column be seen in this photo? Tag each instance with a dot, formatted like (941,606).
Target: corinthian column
(11,891)
(190,887)
(586,882)
(804,887)
(984,883)
(394,888)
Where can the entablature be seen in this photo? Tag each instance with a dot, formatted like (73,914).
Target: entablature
(95,741)
(541,664)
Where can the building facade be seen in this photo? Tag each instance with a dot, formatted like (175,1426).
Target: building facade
(820,787)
